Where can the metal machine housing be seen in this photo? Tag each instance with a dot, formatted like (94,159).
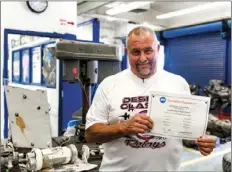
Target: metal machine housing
(29,117)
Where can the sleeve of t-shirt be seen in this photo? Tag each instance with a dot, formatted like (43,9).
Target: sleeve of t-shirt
(185,85)
(98,111)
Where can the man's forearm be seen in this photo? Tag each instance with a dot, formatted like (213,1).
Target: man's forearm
(102,133)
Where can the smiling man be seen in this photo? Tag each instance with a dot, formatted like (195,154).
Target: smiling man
(142,44)
(116,116)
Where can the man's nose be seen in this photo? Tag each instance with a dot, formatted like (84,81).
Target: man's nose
(143,57)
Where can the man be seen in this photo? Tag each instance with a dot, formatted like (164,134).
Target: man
(116,116)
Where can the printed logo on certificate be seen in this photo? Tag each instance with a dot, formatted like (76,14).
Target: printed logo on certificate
(178,116)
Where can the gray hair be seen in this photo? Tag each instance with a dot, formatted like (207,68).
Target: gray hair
(138,31)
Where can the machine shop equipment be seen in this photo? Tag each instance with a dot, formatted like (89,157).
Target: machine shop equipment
(48,158)
(9,157)
(194,89)
(30,123)
(28,110)
(87,63)
(29,114)
(220,94)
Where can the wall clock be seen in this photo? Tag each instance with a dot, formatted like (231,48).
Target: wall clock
(37,6)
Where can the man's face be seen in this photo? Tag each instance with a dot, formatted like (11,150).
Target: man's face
(142,51)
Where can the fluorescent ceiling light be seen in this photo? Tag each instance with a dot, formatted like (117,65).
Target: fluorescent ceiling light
(191,10)
(154,27)
(109,18)
(127,7)
(113,4)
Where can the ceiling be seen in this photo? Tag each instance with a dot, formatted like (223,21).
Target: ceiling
(148,13)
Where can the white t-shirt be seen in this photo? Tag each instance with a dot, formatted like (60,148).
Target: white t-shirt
(120,96)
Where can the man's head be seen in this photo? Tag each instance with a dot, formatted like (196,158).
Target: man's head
(142,48)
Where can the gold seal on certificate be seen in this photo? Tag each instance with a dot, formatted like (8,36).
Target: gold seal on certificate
(178,116)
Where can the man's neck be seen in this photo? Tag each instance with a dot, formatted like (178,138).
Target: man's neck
(144,76)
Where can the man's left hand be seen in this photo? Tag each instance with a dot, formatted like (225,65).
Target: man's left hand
(206,145)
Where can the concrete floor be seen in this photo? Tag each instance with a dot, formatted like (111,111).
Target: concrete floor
(192,160)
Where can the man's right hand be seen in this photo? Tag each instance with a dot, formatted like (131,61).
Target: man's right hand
(140,123)
(103,133)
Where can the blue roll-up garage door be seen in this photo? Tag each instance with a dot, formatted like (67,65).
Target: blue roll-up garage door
(198,58)
(229,61)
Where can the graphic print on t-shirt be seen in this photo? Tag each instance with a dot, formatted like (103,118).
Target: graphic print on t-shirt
(139,105)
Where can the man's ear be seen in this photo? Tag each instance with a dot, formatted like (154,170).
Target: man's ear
(158,47)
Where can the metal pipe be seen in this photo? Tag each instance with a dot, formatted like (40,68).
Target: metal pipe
(86,102)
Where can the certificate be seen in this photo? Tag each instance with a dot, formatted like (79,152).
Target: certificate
(178,116)
(25,66)
(36,65)
(16,66)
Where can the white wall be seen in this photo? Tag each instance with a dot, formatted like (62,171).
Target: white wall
(85,32)
(16,15)
(161,58)
(107,31)
(124,29)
